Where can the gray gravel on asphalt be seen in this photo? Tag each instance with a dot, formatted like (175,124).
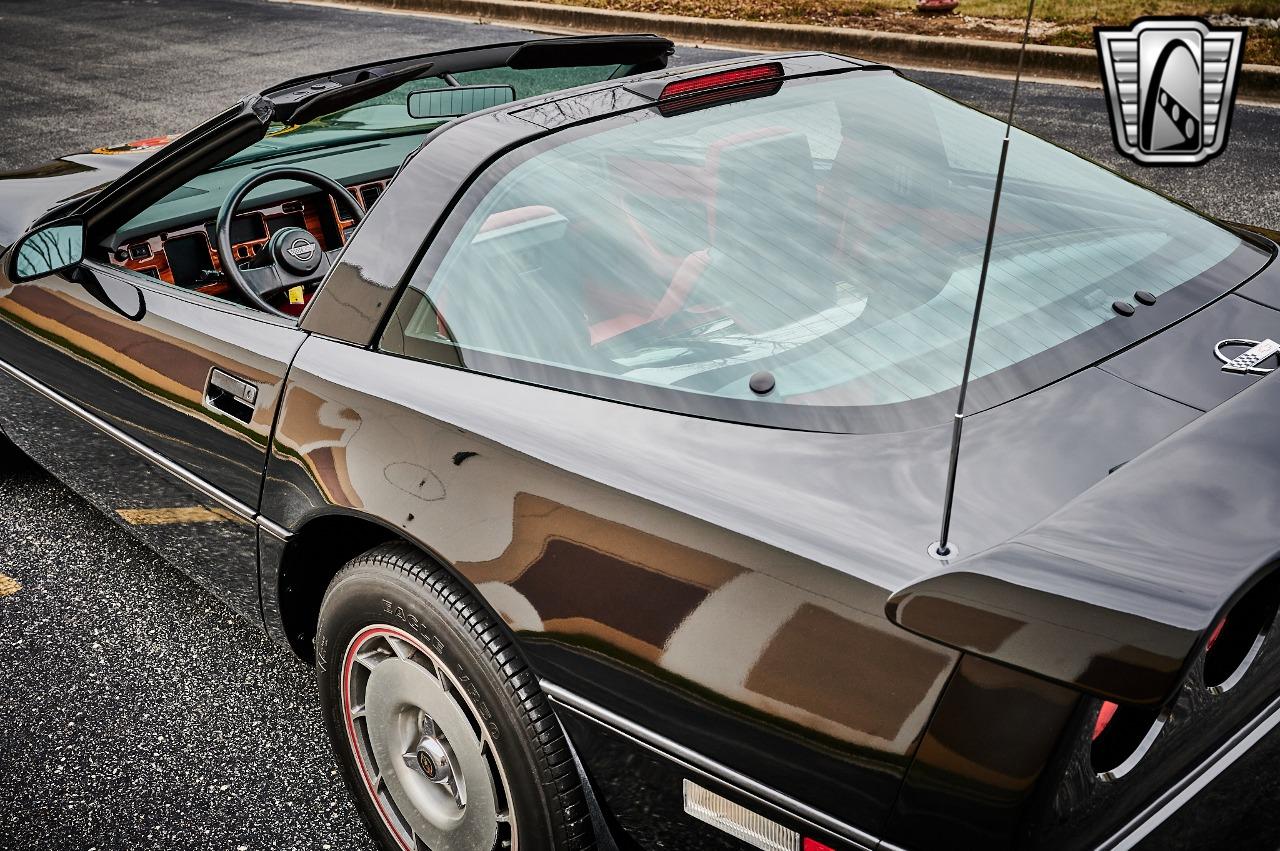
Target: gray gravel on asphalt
(135,711)
(84,73)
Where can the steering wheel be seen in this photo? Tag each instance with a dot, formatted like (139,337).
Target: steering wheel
(292,257)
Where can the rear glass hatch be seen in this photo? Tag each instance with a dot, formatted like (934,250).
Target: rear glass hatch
(827,231)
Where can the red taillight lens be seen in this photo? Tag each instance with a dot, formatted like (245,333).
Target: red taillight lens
(1213,636)
(1236,641)
(1105,714)
(815,845)
(721,79)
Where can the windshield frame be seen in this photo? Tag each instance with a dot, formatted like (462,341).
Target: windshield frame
(1083,351)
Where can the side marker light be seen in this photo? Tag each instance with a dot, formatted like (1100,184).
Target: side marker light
(740,822)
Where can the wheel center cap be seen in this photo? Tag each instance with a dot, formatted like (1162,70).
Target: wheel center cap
(433,760)
(408,712)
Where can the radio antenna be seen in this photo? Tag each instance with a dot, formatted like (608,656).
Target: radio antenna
(942,549)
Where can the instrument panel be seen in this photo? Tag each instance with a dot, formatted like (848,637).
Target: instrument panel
(186,256)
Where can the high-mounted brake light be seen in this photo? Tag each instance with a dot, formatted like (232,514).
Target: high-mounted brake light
(721,79)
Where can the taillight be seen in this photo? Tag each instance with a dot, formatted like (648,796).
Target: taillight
(735,84)
(1105,714)
(1236,639)
(1122,735)
(1213,636)
(815,845)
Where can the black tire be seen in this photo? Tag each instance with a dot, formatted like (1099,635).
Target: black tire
(398,587)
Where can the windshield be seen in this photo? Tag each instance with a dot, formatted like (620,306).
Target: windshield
(363,143)
(818,248)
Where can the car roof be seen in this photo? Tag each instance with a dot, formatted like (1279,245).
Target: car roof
(584,103)
(300,99)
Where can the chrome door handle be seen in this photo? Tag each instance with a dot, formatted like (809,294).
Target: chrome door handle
(230,395)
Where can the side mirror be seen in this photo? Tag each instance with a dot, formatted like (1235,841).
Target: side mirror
(46,250)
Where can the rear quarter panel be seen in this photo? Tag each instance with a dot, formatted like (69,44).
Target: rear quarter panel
(611,552)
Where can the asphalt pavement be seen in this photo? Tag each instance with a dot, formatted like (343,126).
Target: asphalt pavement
(83,73)
(136,712)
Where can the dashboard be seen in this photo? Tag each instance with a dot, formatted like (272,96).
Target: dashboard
(186,257)
(173,240)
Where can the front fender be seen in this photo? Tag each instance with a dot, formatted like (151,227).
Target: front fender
(28,195)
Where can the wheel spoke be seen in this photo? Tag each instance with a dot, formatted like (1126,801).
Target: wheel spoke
(403,649)
(439,673)
(372,658)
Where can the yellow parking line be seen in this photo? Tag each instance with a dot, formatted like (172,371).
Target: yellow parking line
(181,514)
(9,586)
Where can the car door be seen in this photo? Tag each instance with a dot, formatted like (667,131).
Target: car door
(153,402)
(156,402)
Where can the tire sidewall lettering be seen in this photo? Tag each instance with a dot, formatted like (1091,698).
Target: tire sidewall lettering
(415,626)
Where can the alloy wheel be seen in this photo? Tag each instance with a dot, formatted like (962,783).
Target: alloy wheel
(426,755)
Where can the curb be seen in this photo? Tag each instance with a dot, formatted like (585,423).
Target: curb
(1257,82)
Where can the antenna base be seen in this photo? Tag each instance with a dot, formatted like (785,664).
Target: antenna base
(937,552)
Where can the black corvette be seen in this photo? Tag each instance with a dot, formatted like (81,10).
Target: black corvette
(587,422)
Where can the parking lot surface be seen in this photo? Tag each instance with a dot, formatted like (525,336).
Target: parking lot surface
(138,713)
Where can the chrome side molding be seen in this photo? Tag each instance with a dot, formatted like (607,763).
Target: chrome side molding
(1194,781)
(223,499)
(703,765)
